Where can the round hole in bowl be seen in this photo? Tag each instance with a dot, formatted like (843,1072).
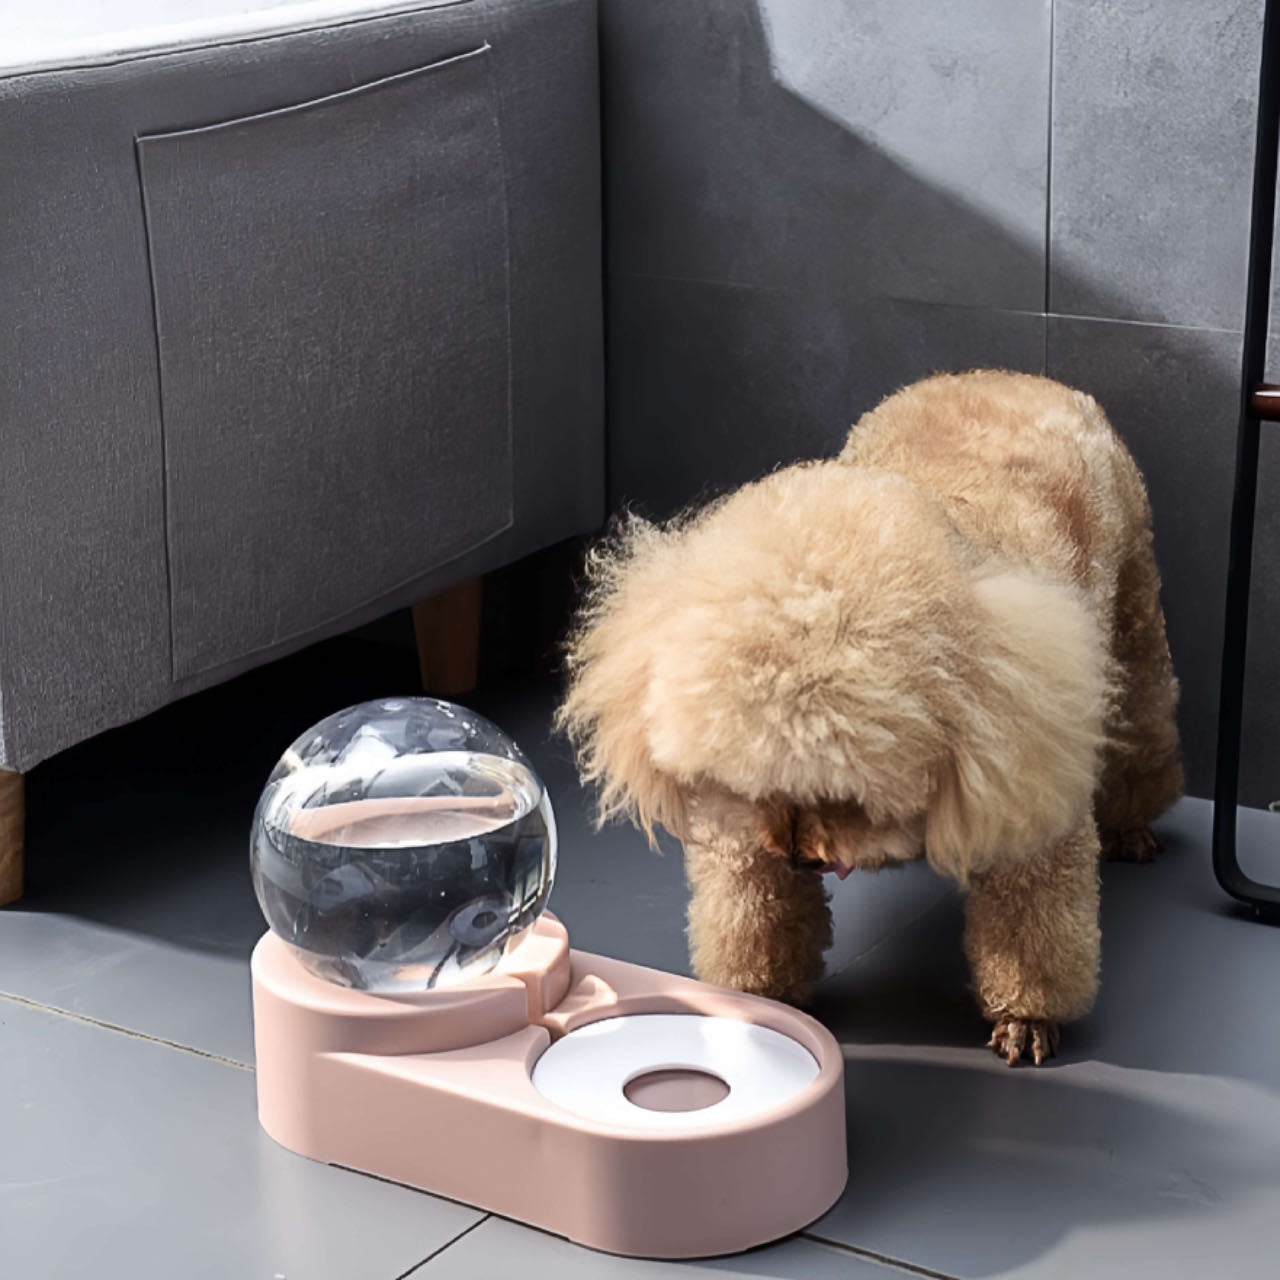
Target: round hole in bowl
(675,1089)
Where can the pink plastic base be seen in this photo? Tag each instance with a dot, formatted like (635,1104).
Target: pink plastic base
(435,1091)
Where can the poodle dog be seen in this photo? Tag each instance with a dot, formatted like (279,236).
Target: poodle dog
(946,643)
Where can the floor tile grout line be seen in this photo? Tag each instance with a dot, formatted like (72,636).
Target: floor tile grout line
(228,1062)
(448,1244)
(124,1031)
(883,1259)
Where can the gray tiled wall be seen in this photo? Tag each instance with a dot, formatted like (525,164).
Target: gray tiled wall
(812,202)
(1152,158)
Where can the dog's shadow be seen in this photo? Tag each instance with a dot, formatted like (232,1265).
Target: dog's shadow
(974,1171)
(1180,974)
(1008,1164)
(1162,1105)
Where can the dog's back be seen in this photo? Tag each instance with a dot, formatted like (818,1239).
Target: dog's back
(1025,468)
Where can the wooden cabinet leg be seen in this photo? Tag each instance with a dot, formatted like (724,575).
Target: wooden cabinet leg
(13,829)
(447,629)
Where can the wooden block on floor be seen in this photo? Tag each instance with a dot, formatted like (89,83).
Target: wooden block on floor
(13,829)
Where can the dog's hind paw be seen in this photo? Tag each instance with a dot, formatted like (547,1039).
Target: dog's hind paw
(1011,1038)
(1137,844)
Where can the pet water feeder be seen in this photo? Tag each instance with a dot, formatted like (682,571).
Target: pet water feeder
(418,1016)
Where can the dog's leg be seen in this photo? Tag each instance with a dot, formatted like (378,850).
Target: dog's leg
(1142,772)
(1031,935)
(755,923)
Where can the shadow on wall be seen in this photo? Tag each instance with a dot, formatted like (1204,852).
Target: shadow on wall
(772,275)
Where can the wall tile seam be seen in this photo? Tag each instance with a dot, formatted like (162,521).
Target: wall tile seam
(935,304)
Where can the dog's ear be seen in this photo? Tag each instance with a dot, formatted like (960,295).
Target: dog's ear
(609,675)
(1023,760)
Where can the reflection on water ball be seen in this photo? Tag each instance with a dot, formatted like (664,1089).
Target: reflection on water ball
(403,844)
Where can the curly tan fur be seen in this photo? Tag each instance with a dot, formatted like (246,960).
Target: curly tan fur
(754,923)
(945,643)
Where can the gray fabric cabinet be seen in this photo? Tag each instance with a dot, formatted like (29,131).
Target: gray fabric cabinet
(296,327)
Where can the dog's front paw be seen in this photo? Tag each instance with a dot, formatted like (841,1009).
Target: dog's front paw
(1011,1038)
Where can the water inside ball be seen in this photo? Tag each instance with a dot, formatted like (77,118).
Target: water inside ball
(403,844)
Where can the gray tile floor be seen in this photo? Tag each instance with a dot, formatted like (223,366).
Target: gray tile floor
(129,1145)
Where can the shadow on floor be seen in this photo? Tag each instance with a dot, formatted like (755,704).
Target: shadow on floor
(1184,977)
(944,1135)
(134,828)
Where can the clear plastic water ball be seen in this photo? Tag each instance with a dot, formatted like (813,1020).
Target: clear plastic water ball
(403,844)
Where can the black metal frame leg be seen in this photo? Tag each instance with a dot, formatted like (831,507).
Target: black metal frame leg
(1258,403)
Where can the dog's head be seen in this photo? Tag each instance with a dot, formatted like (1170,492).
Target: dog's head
(822,646)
